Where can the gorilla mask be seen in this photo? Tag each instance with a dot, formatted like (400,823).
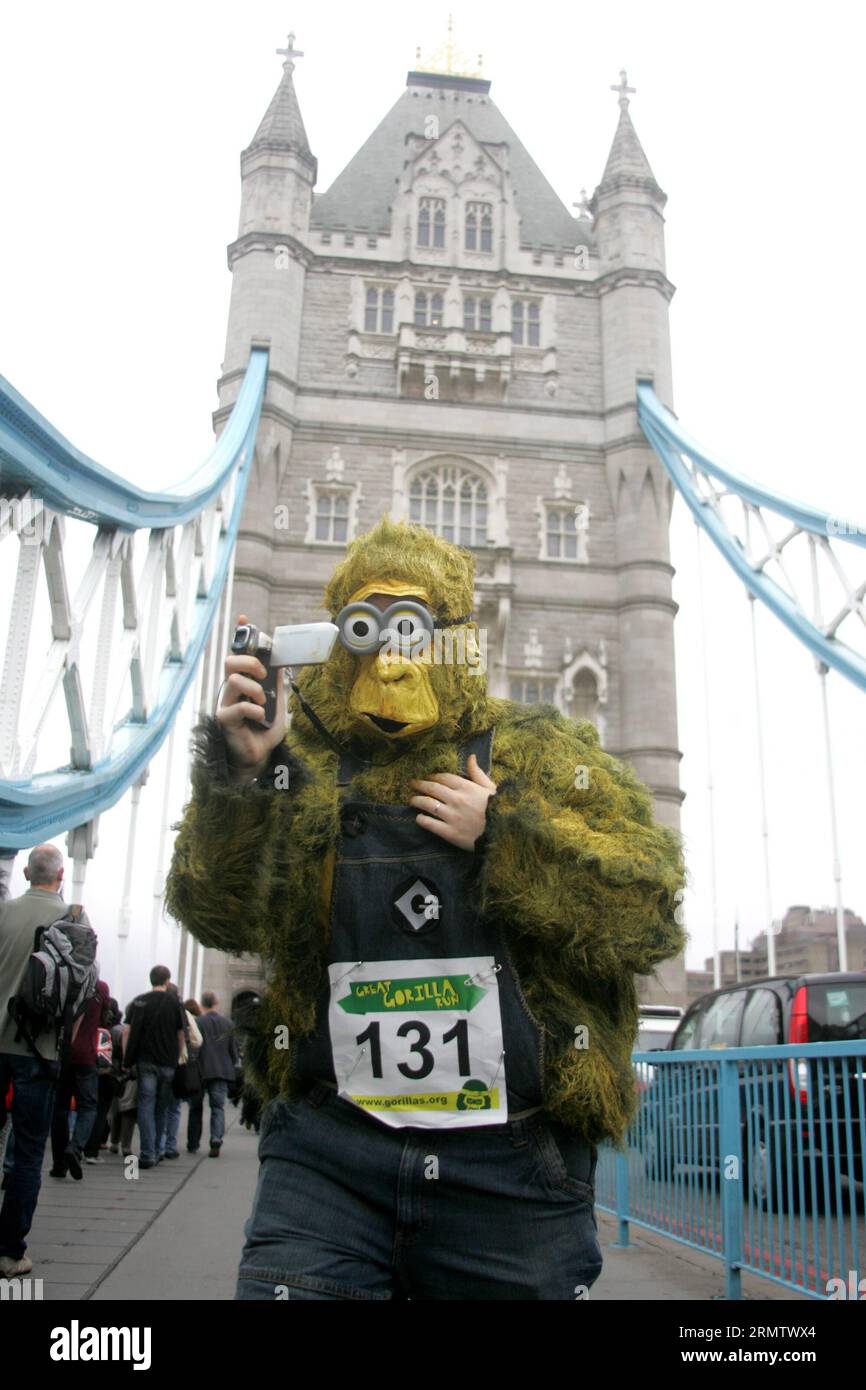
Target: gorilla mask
(408,663)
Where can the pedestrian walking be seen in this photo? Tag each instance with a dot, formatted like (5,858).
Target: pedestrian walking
(32,1080)
(124,1109)
(78,1079)
(189,1059)
(107,1081)
(154,1047)
(218,1062)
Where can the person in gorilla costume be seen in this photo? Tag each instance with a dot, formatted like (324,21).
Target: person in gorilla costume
(453,894)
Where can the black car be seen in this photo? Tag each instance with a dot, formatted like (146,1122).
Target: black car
(682,1121)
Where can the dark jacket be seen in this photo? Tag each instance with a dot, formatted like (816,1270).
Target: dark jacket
(219,1056)
(84,1047)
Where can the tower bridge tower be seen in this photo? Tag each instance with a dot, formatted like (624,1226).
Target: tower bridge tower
(450,344)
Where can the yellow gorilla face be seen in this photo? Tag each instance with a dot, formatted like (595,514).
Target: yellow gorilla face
(392,691)
(416,686)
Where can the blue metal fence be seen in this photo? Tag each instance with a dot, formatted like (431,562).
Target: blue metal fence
(752,1155)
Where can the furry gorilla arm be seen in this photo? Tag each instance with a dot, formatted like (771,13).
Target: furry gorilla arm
(215,886)
(572,857)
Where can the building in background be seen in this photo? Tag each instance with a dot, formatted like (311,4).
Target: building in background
(450,345)
(806,944)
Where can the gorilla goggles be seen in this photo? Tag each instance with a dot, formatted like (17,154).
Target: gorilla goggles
(405,626)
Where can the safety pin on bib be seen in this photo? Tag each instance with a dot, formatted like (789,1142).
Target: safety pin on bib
(357,1060)
(482,974)
(498,1070)
(350,971)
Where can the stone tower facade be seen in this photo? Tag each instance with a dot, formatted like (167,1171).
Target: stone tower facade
(450,345)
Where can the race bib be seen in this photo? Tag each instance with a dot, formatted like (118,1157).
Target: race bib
(419,1042)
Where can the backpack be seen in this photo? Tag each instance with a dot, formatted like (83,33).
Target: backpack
(60,978)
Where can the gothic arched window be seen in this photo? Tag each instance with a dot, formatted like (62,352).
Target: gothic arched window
(429,310)
(452,502)
(532,690)
(477,314)
(431,222)
(379,311)
(332,516)
(526,322)
(479,227)
(583,703)
(561,533)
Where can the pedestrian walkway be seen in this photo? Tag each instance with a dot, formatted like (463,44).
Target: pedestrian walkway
(176,1233)
(656,1269)
(172,1233)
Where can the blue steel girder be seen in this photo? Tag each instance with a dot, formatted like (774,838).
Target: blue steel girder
(39,807)
(34,455)
(704,484)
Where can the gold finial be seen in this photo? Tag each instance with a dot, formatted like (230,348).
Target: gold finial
(448,58)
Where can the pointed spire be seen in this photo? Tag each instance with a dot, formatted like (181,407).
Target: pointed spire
(282,124)
(626,159)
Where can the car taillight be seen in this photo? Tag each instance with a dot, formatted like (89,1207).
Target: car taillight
(798,1071)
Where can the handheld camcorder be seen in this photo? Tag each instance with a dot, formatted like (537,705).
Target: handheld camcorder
(299,644)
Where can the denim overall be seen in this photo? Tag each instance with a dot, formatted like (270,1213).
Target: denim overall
(349,1208)
(381,853)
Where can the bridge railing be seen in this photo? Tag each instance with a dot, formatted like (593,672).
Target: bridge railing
(754,1156)
(116,658)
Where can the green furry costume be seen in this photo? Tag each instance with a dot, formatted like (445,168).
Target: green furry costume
(573,868)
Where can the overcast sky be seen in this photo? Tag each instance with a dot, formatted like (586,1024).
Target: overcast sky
(123,127)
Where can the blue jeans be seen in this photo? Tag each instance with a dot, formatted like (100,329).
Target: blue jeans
(82,1082)
(347,1208)
(168,1142)
(32,1108)
(217,1091)
(154,1097)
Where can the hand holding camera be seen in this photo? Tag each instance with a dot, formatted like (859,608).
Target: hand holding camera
(252,712)
(242,715)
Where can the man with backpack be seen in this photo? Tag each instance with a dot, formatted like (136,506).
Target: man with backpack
(32,1078)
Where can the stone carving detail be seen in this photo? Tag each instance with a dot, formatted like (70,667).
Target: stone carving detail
(562,483)
(533,651)
(335,466)
(483,345)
